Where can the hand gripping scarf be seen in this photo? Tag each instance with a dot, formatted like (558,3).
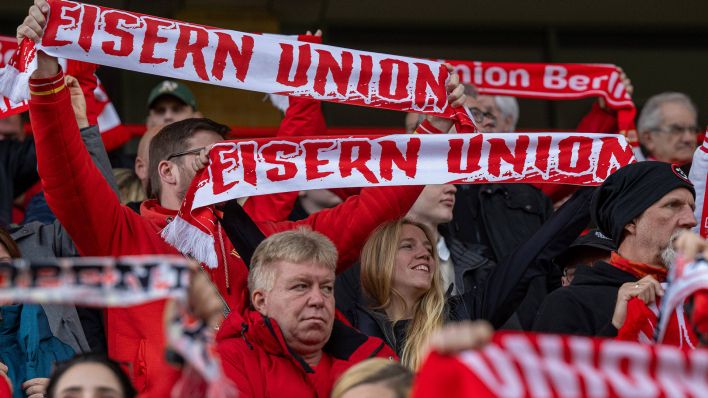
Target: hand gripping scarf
(264,166)
(228,58)
(554,82)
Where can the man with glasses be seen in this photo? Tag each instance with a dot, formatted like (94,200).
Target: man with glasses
(668,127)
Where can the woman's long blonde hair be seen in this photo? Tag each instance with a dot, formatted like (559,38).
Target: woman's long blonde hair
(378,260)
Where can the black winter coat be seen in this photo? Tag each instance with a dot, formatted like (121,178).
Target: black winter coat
(587,305)
(499,216)
(18,172)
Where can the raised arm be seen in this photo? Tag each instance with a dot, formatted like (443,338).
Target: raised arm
(75,190)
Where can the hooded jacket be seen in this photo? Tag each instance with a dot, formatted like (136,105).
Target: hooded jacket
(100,226)
(586,306)
(255,356)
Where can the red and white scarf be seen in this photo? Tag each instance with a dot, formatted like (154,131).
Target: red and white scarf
(8,46)
(699,178)
(554,82)
(228,58)
(642,320)
(99,108)
(537,365)
(265,166)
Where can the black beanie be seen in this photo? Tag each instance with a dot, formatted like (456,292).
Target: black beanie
(632,189)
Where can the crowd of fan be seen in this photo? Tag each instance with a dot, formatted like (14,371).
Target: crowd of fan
(323,280)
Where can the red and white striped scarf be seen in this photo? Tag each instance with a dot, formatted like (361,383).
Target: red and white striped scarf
(537,365)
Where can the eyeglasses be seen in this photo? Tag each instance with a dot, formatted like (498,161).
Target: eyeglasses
(479,115)
(187,152)
(677,130)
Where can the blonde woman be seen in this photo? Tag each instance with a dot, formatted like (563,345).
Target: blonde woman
(402,299)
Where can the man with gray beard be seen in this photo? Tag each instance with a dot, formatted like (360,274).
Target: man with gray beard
(643,207)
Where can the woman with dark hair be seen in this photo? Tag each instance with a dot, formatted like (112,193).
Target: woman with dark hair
(92,375)
(28,350)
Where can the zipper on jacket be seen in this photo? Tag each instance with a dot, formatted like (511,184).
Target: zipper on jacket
(223,257)
(244,329)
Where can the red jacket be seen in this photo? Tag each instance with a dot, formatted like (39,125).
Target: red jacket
(100,226)
(254,355)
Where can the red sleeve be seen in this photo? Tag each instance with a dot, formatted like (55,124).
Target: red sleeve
(85,73)
(74,188)
(598,120)
(349,224)
(303,118)
(5,390)
(234,367)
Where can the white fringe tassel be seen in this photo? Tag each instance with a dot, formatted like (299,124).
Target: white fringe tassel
(190,240)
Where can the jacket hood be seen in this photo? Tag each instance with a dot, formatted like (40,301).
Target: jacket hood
(601,274)
(157,214)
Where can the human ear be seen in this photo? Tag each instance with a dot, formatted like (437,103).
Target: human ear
(258,299)
(167,174)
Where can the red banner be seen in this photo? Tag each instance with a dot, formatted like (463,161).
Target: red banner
(530,365)
(553,82)
(222,57)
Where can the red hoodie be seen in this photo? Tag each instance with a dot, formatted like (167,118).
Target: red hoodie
(255,356)
(100,226)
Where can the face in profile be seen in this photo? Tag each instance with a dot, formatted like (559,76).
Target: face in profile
(186,170)
(88,380)
(660,224)
(414,263)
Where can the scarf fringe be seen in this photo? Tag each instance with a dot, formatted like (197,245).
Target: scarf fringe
(14,84)
(192,241)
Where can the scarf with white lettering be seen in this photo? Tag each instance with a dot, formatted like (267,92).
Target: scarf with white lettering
(537,365)
(265,166)
(121,282)
(94,281)
(228,58)
(554,82)
(99,108)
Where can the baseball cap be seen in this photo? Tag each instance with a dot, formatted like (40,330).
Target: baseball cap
(175,89)
(594,239)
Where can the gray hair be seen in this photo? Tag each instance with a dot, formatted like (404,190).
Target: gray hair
(650,118)
(297,246)
(508,106)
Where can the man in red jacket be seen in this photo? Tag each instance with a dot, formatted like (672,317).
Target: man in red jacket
(292,344)
(100,226)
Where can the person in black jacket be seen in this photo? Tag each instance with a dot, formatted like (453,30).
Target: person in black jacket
(642,207)
(18,172)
